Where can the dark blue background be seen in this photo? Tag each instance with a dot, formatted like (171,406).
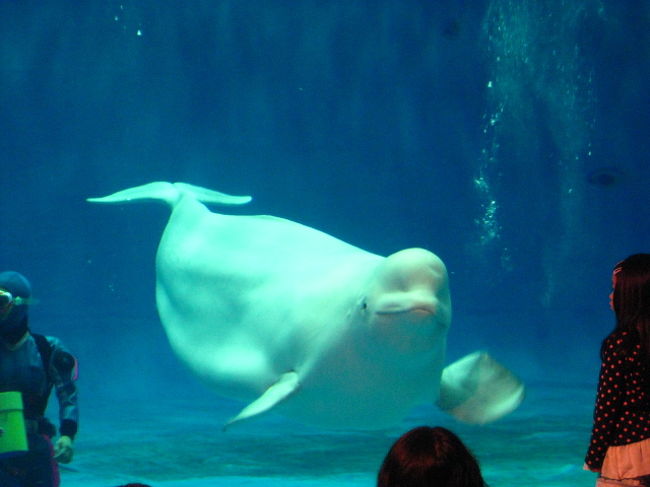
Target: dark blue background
(389,124)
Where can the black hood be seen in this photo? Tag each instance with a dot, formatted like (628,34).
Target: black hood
(14,325)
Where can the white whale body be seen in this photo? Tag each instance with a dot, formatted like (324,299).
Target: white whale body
(285,317)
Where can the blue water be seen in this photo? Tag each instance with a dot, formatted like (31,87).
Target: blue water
(508,137)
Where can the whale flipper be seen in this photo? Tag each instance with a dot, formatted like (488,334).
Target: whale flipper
(477,389)
(287,384)
(171,194)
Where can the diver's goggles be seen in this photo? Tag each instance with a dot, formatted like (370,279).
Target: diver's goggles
(8,301)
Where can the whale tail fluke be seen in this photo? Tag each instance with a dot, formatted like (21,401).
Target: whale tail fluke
(171,193)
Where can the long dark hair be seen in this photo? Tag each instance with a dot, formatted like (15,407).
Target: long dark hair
(429,457)
(631,302)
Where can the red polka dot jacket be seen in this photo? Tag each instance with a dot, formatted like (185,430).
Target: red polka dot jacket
(622,413)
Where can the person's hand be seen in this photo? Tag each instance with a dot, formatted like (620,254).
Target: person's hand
(63,450)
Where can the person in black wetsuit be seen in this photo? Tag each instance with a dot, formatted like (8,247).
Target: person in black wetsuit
(33,364)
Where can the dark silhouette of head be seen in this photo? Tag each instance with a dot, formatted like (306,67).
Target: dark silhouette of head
(631,297)
(13,321)
(429,457)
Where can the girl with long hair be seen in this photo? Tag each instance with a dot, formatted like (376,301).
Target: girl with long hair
(620,441)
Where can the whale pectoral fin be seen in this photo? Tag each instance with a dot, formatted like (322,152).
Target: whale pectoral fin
(287,384)
(477,389)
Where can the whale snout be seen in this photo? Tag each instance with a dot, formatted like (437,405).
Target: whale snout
(410,286)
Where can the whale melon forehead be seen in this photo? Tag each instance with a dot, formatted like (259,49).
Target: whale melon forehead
(412,268)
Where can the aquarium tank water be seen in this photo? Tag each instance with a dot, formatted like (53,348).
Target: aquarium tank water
(508,137)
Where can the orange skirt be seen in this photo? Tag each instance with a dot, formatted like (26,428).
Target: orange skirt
(627,461)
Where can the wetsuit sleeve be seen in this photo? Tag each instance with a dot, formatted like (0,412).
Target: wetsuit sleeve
(609,400)
(63,372)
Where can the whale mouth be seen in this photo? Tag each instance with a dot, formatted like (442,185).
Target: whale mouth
(420,310)
(416,304)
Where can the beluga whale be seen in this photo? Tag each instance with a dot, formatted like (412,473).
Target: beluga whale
(287,318)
